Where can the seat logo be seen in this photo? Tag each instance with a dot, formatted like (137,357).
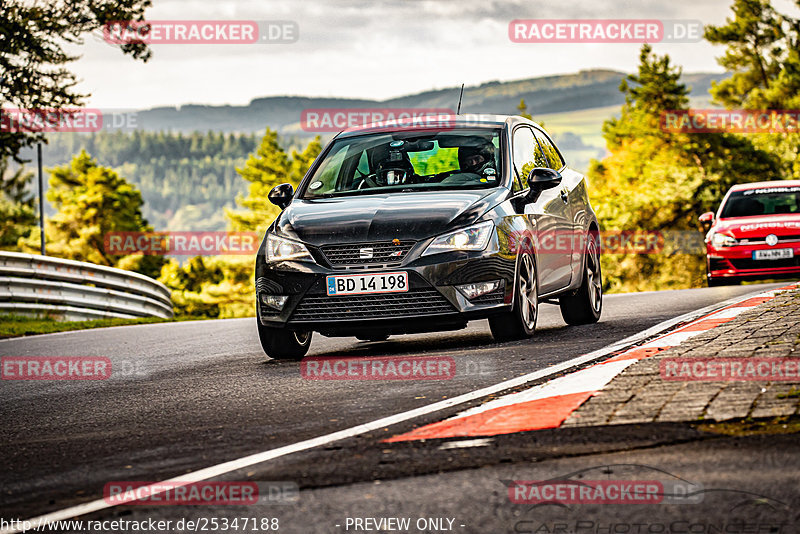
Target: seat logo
(365,253)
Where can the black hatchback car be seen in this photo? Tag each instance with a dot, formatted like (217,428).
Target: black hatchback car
(401,229)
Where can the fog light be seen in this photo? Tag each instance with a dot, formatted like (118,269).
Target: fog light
(274,301)
(477,289)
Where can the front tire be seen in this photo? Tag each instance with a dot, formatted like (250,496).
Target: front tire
(585,305)
(520,322)
(282,343)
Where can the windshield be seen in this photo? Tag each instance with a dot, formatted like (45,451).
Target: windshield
(408,162)
(766,201)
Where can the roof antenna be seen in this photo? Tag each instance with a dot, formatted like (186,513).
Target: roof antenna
(458,112)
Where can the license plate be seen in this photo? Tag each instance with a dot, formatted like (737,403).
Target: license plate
(773,254)
(362,284)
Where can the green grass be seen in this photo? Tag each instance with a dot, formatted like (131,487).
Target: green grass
(777,425)
(16,326)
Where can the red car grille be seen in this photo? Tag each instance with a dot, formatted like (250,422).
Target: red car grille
(747,263)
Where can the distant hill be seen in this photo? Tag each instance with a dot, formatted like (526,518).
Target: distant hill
(546,95)
(188,178)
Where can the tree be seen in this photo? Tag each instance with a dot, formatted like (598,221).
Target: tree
(763,53)
(224,286)
(187,284)
(654,180)
(755,40)
(17,214)
(91,201)
(32,55)
(268,167)
(522,110)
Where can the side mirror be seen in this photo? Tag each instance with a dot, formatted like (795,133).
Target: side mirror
(542,178)
(707,219)
(281,195)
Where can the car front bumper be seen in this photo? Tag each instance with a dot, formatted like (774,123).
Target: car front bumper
(738,263)
(432,301)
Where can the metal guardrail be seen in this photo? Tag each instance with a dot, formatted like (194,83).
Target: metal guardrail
(75,290)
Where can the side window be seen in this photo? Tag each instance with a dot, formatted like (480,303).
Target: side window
(525,153)
(363,164)
(554,159)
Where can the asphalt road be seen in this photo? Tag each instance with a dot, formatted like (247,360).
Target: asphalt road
(189,395)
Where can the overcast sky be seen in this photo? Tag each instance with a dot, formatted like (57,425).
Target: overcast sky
(373,49)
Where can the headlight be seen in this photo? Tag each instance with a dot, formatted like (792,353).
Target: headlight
(280,249)
(722,240)
(473,238)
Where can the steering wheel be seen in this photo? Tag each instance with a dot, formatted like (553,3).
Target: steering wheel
(367,179)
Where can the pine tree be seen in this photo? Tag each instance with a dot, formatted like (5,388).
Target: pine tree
(755,41)
(763,52)
(268,167)
(91,201)
(655,180)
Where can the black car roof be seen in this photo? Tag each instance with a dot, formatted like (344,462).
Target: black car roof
(467,120)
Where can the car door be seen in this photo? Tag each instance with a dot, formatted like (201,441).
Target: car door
(548,212)
(572,198)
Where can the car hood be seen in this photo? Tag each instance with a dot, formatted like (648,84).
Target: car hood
(404,216)
(760,226)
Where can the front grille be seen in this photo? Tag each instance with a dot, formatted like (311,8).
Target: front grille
(414,303)
(719,264)
(386,252)
(765,264)
(761,240)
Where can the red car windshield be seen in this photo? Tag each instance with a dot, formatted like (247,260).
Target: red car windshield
(765,201)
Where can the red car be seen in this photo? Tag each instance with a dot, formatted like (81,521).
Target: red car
(755,234)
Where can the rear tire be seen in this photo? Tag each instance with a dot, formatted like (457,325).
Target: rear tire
(585,305)
(520,322)
(284,344)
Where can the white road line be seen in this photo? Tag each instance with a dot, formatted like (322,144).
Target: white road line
(586,380)
(253,459)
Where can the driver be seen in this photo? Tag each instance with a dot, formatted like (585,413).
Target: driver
(476,159)
(391,167)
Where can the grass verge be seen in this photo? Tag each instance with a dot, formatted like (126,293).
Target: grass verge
(17,326)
